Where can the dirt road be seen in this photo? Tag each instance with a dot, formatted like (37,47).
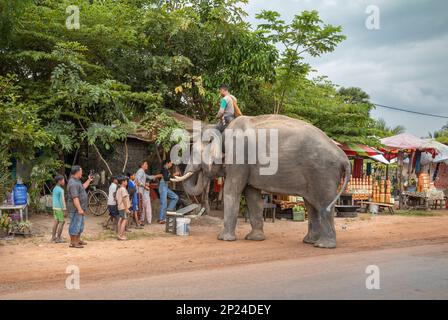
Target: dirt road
(37,265)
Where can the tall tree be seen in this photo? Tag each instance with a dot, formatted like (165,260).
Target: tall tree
(385,131)
(306,34)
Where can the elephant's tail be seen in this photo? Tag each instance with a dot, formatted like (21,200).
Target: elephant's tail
(347,171)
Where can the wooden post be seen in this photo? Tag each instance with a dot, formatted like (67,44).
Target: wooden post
(400,178)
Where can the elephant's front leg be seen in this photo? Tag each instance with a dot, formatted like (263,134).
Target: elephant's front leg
(231,210)
(255,206)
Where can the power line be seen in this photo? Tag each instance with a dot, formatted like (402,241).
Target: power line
(410,111)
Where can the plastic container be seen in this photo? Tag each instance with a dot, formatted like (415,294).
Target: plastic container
(298,216)
(374,208)
(20,194)
(183,226)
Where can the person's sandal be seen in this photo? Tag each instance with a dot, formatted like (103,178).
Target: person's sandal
(82,243)
(76,246)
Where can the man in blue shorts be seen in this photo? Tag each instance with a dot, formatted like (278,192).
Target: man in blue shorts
(77,205)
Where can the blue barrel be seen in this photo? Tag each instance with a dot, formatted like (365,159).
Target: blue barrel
(20,194)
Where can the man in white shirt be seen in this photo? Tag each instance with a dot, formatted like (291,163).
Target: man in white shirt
(144,196)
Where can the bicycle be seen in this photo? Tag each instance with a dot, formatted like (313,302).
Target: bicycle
(97,201)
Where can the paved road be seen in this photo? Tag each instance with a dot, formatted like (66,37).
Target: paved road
(405,273)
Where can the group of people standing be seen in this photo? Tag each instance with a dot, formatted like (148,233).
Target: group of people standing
(129,200)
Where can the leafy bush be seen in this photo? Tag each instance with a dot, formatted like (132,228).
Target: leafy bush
(43,170)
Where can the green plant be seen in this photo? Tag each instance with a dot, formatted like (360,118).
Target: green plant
(21,227)
(243,206)
(43,170)
(5,175)
(298,209)
(5,222)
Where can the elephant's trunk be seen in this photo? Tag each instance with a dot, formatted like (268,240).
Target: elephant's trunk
(194,186)
(184,177)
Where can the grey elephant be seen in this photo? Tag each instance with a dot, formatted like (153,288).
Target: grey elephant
(309,164)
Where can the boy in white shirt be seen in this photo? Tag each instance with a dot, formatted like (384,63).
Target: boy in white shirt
(112,205)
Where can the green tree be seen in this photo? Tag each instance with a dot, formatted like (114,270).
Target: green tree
(21,133)
(441,135)
(385,131)
(354,95)
(318,102)
(306,34)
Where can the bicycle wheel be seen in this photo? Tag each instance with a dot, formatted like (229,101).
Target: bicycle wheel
(98,202)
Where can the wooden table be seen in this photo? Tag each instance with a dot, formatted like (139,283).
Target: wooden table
(420,197)
(266,207)
(269,207)
(346,199)
(21,208)
(390,207)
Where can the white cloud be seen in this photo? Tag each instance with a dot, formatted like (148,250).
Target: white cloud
(404,64)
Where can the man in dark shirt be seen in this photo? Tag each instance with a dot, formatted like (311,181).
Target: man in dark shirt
(77,205)
(166,193)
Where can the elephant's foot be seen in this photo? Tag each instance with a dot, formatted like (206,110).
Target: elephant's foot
(310,238)
(226,236)
(256,235)
(325,243)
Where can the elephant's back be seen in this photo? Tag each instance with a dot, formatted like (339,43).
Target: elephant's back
(274,122)
(298,140)
(288,128)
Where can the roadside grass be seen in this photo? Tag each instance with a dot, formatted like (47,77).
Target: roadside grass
(110,235)
(106,235)
(419,213)
(365,217)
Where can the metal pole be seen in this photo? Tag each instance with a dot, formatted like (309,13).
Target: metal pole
(400,178)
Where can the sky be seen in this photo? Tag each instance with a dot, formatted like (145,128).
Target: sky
(402,64)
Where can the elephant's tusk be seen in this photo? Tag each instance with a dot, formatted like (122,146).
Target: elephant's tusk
(183,178)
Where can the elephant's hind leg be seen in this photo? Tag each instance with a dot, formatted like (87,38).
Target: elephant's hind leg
(327,238)
(313,225)
(255,206)
(321,231)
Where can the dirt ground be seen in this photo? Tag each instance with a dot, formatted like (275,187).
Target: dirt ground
(34,262)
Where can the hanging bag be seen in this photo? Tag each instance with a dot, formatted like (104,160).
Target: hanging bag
(238,112)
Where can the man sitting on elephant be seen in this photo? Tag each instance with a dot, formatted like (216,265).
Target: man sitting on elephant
(228,110)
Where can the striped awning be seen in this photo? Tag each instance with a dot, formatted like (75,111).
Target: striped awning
(359,150)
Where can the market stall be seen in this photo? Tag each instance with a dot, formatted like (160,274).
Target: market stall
(368,186)
(420,164)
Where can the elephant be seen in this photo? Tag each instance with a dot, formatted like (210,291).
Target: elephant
(310,165)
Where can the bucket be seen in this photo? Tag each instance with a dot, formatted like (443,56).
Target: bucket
(183,226)
(298,216)
(374,208)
